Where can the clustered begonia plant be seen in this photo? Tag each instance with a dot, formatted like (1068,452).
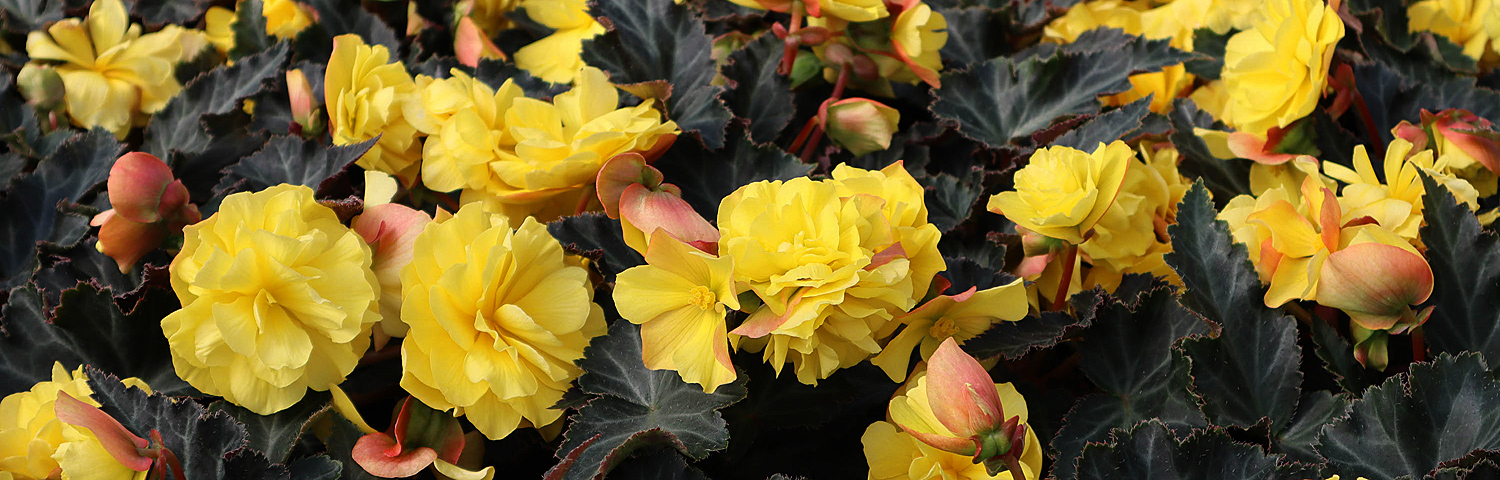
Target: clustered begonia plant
(749,239)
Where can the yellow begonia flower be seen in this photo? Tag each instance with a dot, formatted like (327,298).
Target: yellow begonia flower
(906,207)
(1085,16)
(1165,22)
(1131,237)
(277,297)
(497,316)
(1275,73)
(960,317)
(1461,21)
(896,455)
(490,15)
(557,58)
(83,457)
(559,148)
(1226,15)
(830,262)
(679,298)
(112,73)
(917,36)
(1064,191)
(364,96)
(284,20)
(218,27)
(1397,203)
(910,410)
(31,436)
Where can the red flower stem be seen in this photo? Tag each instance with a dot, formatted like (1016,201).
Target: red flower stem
(1014,465)
(812,143)
(817,132)
(1418,345)
(1061,299)
(1364,115)
(838,86)
(789,54)
(807,130)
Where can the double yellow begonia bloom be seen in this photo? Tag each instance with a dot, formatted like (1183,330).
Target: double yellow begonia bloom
(833,261)
(1275,72)
(277,297)
(1131,237)
(680,298)
(1397,203)
(365,97)
(34,443)
(1472,24)
(523,156)
(498,315)
(113,74)
(557,58)
(896,454)
(1063,192)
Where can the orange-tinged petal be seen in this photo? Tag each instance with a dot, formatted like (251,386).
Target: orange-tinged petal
(961,392)
(1375,283)
(119,442)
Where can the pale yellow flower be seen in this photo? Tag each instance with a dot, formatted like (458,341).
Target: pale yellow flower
(490,15)
(218,27)
(497,316)
(557,58)
(1396,203)
(31,435)
(680,298)
(896,455)
(1167,22)
(277,297)
(1226,15)
(285,18)
(364,95)
(1063,192)
(1131,237)
(113,73)
(1275,73)
(1462,21)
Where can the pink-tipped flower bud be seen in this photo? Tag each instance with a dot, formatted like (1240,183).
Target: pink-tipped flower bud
(1411,133)
(142,188)
(304,104)
(391,231)
(961,393)
(1464,135)
(470,44)
(643,211)
(860,125)
(1376,284)
(418,437)
(123,446)
(619,173)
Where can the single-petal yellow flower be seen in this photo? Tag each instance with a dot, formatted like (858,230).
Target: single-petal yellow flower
(960,317)
(497,316)
(277,297)
(31,435)
(112,72)
(284,20)
(1395,204)
(1063,191)
(679,298)
(1275,73)
(896,455)
(365,97)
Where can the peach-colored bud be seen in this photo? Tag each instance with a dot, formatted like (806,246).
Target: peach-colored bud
(126,240)
(470,44)
(124,446)
(390,229)
(303,102)
(142,188)
(418,437)
(643,211)
(1411,133)
(961,393)
(1469,133)
(858,124)
(1374,283)
(1258,148)
(620,172)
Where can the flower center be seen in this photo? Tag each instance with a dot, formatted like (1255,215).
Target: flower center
(943,328)
(703,298)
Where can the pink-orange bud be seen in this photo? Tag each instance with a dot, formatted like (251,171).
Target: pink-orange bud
(643,211)
(620,172)
(418,437)
(1374,283)
(1411,133)
(1469,133)
(300,94)
(1258,148)
(860,125)
(961,393)
(142,188)
(470,44)
(391,230)
(124,446)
